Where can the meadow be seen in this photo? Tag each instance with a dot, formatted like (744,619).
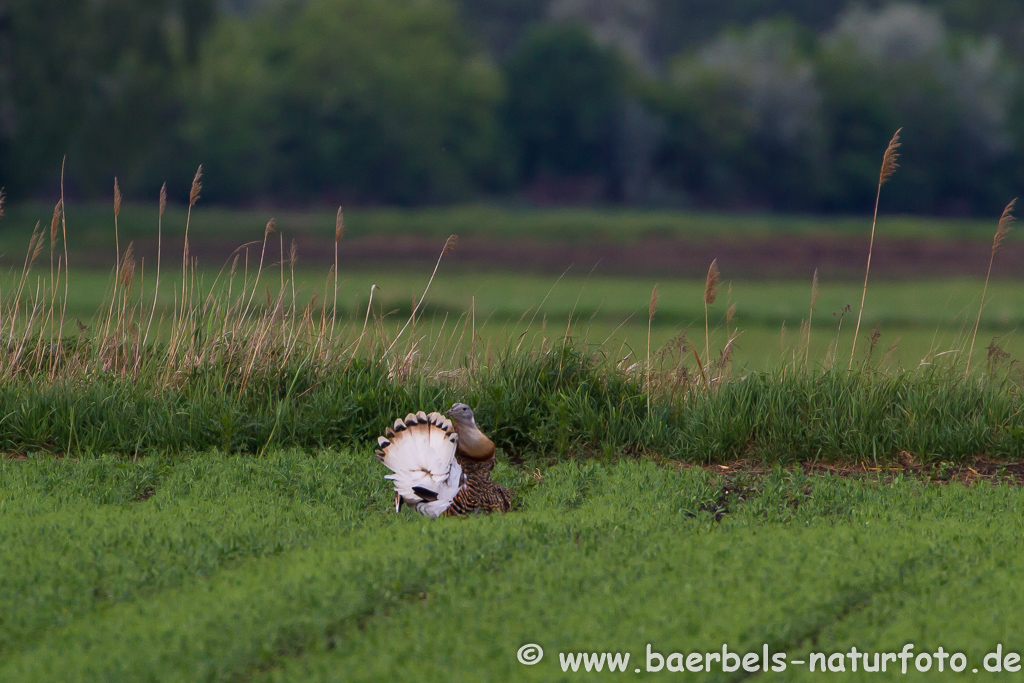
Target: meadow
(291,567)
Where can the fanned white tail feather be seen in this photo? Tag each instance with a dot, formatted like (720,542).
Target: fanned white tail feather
(420,452)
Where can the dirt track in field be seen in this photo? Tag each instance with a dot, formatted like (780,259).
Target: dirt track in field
(784,257)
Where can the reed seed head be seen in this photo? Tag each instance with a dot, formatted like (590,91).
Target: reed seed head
(814,288)
(3,197)
(35,245)
(117,198)
(652,308)
(270,229)
(339,226)
(197,186)
(293,253)
(890,158)
(449,245)
(730,314)
(163,199)
(55,221)
(711,285)
(1004,225)
(128,267)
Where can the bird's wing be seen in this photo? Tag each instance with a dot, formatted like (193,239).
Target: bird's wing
(420,452)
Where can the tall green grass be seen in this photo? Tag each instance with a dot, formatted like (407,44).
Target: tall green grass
(562,403)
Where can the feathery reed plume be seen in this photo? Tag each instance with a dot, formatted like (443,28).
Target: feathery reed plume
(163,200)
(34,247)
(3,198)
(128,267)
(117,198)
(1003,228)
(339,232)
(197,187)
(651,310)
(55,223)
(810,314)
(710,294)
(711,284)
(449,245)
(889,167)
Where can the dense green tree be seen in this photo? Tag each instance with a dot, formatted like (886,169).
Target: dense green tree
(359,99)
(565,101)
(98,81)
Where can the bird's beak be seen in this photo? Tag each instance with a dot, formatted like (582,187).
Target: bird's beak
(449,412)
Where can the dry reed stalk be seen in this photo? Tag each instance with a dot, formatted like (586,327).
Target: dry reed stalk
(58,209)
(449,245)
(359,341)
(292,258)
(159,249)
(193,197)
(267,232)
(117,244)
(700,366)
(710,294)
(1005,221)
(889,166)
(810,315)
(64,239)
(652,308)
(535,313)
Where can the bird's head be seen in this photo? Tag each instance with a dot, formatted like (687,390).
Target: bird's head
(462,415)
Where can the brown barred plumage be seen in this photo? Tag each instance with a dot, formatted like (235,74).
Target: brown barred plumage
(479,493)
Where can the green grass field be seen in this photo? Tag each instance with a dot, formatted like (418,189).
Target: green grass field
(290,567)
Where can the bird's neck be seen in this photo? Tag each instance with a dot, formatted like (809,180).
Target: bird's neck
(473,443)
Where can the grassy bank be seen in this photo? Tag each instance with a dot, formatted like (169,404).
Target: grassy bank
(559,404)
(288,567)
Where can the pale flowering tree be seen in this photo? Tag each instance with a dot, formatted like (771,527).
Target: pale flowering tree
(627,25)
(777,82)
(908,43)
(744,120)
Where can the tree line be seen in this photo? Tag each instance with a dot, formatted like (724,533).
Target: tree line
(780,104)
